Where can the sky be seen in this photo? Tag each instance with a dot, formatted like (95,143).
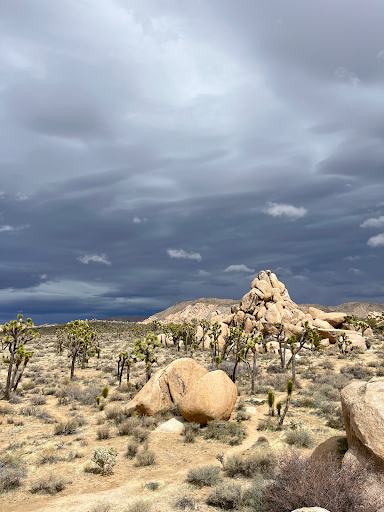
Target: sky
(157,151)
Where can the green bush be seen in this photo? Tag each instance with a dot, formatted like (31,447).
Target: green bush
(132,449)
(51,484)
(263,461)
(105,391)
(103,433)
(300,438)
(190,431)
(139,506)
(145,458)
(226,495)
(67,428)
(140,434)
(204,476)
(128,426)
(12,470)
(225,431)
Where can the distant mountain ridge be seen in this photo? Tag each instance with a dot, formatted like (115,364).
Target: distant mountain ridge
(132,318)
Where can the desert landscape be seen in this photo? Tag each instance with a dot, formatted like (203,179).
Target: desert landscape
(234,453)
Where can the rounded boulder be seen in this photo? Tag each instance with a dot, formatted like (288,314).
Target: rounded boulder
(211,397)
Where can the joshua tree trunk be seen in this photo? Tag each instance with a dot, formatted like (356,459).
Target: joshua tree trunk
(253,371)
(7,393)
(73,366)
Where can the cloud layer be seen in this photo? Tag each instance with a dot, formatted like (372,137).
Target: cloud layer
(141,138)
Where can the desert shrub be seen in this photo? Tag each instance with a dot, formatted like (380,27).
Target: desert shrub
(263,461)
(266,424)
(45,417)
(66,428)
(190,431)
(128,426)
(226,495)
(358,371)
(132,449)
(48,455)
(12,470)
(328,365)
(185,502)
(243,416)
(253,495)
(5,408)
(105,459)
(102,507)
(225,431)
(28,385)
(338,381)
(145,458)
(274,368)
(51,484)
(306,482)
(241,406)
(139,506)
(152,486)
(114,413)
(300,438)
(29,411)
(204,475)
(103,433)
(140,434)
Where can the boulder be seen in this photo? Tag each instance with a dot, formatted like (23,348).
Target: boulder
(228,319)
(355,337)
(335,319)
(172,425)
(322,324)
(311,509)
(213,396)
(166,387)
(363,410)
(266,289)
(325,342)
(315,313)
(165,340)
(273,347)
(330,449)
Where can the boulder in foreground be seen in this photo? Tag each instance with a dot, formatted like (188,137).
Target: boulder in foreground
(166,387)
(211,397)
(363,411)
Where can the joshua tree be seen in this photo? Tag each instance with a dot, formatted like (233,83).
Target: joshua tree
(361,326)
(278,407)
(344,344)
(206,327)
(255,338)
(145,351)
(78,342)
(16,334)
(271,401)
(308,339)
(125,359)
(289,396)
(214,343)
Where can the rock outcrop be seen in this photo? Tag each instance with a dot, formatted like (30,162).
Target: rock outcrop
(166,387)
(211,397)
(363,411)
(268,302)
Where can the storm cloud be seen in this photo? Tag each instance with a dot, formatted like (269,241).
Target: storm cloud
(159,151)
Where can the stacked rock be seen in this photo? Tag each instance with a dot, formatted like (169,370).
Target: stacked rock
(266,303)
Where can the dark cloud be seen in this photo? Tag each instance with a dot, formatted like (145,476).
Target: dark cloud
(195,118)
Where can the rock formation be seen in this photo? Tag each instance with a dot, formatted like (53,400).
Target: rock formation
(363,411)
(269,302)
(166,387)
(211,397)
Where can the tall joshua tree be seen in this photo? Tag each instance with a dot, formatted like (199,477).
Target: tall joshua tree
(145,351)
(16,334)
(78,341)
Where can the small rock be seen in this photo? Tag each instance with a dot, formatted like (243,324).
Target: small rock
(172,425)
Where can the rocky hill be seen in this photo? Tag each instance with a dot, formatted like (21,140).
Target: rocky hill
(199,308)
(204,307)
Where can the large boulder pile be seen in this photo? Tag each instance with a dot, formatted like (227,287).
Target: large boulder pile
(269,302)
(363,411)
(201,396)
